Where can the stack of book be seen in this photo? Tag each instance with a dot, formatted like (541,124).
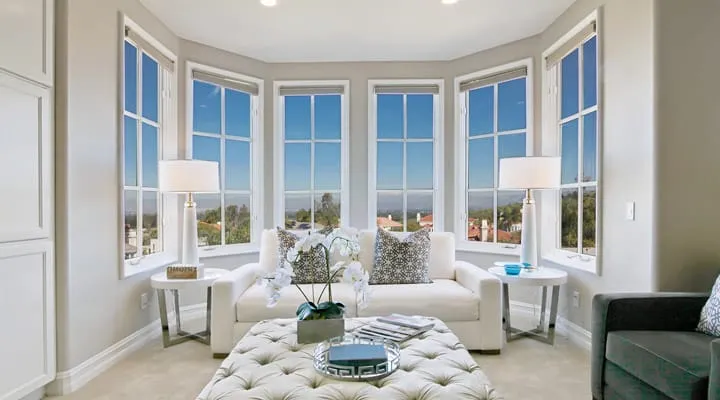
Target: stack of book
(395,327)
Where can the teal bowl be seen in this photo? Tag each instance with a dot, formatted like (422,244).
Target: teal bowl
(513,269)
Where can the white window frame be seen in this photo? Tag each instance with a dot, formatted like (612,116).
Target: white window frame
(550,200)
(256,162)
(279,144)
(438,153)
(461,162)
(168,224)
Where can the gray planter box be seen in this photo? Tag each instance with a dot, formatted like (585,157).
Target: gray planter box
(318,330)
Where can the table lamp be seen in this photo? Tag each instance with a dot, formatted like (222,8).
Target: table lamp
(189,176)
(528,174)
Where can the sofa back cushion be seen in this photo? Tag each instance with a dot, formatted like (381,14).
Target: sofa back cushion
(442,253)
(269,250)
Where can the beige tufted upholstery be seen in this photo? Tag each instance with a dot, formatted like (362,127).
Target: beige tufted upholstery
(268,364)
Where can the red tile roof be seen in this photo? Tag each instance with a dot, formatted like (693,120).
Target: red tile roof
(385,222)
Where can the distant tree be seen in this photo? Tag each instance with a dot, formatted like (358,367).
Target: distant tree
(327,211)
(302,215)
(413,225)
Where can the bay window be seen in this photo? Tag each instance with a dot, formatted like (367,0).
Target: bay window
(226,129)
(311,147)
(494,122)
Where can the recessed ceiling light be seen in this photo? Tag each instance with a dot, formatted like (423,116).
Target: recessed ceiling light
(448,1)
(270,3)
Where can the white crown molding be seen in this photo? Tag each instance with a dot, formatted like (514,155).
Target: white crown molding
(575,333)
(71,380)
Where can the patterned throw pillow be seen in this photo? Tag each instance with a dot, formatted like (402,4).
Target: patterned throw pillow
(310,268)
(401,261)
(710,314)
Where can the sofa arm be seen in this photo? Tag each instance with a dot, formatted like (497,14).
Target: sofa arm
(638,311)
(714,388)
(489,288)
(225,292)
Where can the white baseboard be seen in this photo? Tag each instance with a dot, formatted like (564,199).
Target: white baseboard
(577,335)
(71,380)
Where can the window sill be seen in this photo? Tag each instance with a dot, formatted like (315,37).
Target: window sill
(226,251)
(571,260)
(487,248)
(146,264)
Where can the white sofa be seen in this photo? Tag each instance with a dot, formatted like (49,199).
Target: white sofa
(466,297)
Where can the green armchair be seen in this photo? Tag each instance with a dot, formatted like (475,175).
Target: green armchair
(645,347)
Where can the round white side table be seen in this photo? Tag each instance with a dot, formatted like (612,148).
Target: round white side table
(161,283)
(543,277)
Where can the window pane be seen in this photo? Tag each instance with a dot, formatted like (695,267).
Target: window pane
(130,78)
(390,211)
(512,112)
(150,155)
(151,240)
(206,148)
(298,212)
(590,147)
(569,152)
(419,165)
(389,116)
(419,211)
(237,165)
(570,89)
(420,116)
(327,166)
(130,201)
(209,217)
(480,111)
(481,163)
(481,217)
(237,218)
(327,117)
(297,166)
(297,117)
(509,216)
(569,220)
(206,107)
(327,210)
(589,204)
(130,151)
(237,113)
(390,165)
(150,89)
(590,72)
(513,145)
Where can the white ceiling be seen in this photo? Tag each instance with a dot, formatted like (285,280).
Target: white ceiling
(356,30)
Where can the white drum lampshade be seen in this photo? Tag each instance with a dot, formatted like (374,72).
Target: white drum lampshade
(188,176)
(529,173)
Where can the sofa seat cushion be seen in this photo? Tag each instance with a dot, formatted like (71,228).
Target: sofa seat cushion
(443,299)
(675,363)
(252,305)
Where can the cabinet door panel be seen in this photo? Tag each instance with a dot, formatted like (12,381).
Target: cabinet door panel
(27,47)
(27,312)
(25,159)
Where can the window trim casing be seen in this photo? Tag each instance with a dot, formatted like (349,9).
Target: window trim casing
(279,145)
(169,221)
(438,148)
(257,184)
(462,244)
(548,200)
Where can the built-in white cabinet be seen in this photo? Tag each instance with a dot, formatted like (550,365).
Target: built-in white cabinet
(27,264)
(26,38)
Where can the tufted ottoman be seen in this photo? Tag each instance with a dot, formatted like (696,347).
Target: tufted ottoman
(268,364)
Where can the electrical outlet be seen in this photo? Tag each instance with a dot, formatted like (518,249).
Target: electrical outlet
(576,299)
(144,301)
(630,211)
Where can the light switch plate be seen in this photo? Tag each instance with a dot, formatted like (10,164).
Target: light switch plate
(630,211)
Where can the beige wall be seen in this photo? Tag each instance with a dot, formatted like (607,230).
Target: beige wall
(687,255)
(95,308)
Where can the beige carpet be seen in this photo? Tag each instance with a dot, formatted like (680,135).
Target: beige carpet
(526,370)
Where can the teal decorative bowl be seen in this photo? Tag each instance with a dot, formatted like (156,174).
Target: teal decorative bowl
(513,269)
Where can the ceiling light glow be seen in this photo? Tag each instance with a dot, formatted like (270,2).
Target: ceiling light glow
(270,3)
(448,1)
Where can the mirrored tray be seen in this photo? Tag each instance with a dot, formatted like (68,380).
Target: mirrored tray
(356,373)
